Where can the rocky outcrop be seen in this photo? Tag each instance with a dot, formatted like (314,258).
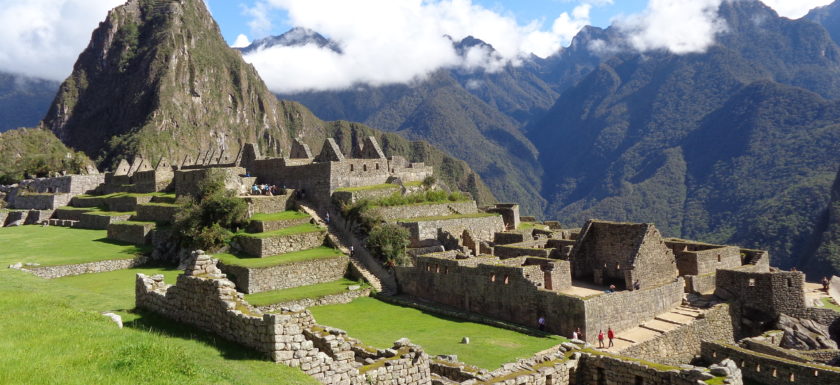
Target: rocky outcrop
(804,334)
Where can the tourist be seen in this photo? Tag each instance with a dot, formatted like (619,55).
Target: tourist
(255,190)
(541,323)
(601,339)
(610,335)
(825,284)
(611,289)
(637,285)
(327,218)
(580,335)
(352,251)
(574,335)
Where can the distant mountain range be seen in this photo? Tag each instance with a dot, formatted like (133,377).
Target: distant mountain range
(738,144)
(24,101)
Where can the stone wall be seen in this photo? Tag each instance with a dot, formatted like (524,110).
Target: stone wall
(39,201)
(332,299)
(681,345)
(68,214)
(627,309)
(771,293)
(700,283)
(157,212)
(34,217)
(603,369)
(204,298)
(424,210)
(311,178)
(255,280)
(126,203)
(100,222)
(266,226)
(700,262)
(425,233)
(519,250)
(50,272)
(264,204)
(187,180)
(131,232)
(351,197)
(266,247)
(770,370)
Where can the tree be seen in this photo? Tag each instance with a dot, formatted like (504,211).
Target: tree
(388,242)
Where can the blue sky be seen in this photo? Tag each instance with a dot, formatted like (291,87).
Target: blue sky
(233,20)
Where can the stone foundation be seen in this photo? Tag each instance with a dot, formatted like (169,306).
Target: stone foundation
(50,272)
(131,232)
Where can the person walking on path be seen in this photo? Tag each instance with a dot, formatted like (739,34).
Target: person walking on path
(580,335)
(601,339)
(825,283)
(610,335)
(541,323)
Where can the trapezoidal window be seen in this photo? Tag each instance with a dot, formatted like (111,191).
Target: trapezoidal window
(718,257)
(492,277)
(377,166)
(364,167)
(352,167)
(507,279)
(751,282)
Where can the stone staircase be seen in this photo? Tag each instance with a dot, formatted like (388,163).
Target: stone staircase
(659,325)
(360,259)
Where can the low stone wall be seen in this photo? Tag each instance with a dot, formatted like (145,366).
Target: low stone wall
(154,212)
(513,251)
(265,247)
(34,217)
(681,345)
(350,197)
(770,370)
(266,226)
(40,201)
(100,222)
(255,280)
(134,233)
(126,203)
(50,272)
(204,298)
(507,238)
(265,204)
(700,283)
(68,214)
(603,369)
(332,299)
(483,228)
(3,215)
(424,210)
(88,201)
(15,216)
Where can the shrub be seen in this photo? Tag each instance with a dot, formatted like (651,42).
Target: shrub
(429,181)
(208,218)
(388,242)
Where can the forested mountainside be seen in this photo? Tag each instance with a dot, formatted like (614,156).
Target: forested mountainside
(829,17)
(23,101)
(822,257)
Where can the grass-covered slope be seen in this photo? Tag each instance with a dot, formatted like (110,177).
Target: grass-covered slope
(36,152)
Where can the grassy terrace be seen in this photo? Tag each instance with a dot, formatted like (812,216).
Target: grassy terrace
(135,223)
(828,304)
(379,324)
(53,245)
(282,259)
(113,213)
(161,204)
(311,291)
(448,217)
(123,194)
(281,216)
(84,209)
(531,225)
(299,229)
(60,337)
(383,186)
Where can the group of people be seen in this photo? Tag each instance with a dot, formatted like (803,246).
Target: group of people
(577,334)
(610,336)
(264,189)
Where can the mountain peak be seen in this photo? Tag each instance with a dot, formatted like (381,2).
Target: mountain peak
(295,37)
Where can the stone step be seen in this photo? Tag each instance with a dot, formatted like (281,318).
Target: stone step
(659,326)
(674,318)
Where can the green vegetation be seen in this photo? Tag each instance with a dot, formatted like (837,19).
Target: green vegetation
(447,217)
(828,303)
(115,287)
(36,153)
(388,242)
(427,197)
(322,252)
(207,219)
(53,245)
(299,229)
(531,225)
(112,213)
(380,324)
(311,291)
(281,216)
(384,186)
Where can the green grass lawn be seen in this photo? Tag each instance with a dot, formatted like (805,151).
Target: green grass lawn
(311,291)
(53,333)
(440,218)
(299,229)
(281,216)
(829,304)
(531,225)
(322,252)
(71,208)
(379,324)
(383,186)
(53,245)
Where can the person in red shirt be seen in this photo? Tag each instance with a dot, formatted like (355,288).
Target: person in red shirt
(610,335)
(600,338)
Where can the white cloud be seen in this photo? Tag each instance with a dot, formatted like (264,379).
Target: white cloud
(679,26)
(241,41)
(396,41)
(43,38)
(795,9)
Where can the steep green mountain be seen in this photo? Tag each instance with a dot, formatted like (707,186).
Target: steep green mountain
(23,101)
(35,152)
(159,80)
(824,257)
(829,17)
(708,146)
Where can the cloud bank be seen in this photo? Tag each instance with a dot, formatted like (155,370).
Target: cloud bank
(43,38)
(397,41)
(679,26)
(795,9)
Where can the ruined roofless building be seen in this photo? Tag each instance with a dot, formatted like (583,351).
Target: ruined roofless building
(622,253)
(322,174)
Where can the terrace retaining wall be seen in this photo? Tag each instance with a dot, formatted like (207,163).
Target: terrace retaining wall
(770,370)
(265,247)
(134,233)
(256,280)
(332,299)
(392,213)
(50,272)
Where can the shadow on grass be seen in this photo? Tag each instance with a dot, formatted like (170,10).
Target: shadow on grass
(150,322)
